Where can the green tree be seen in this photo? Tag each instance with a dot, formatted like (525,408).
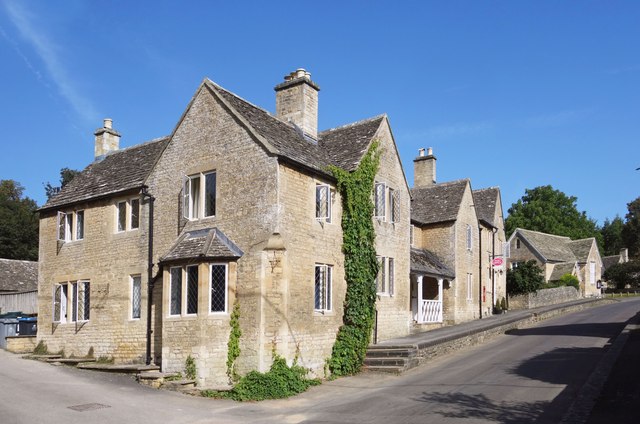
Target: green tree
(631,229)
(569,280)
(551,211)
(612,236)
(66,175)
(525,278)
(624,274)
(18,223)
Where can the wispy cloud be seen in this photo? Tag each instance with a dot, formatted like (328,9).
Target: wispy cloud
(50,54)
(556,119)
(623,70)
(440,132)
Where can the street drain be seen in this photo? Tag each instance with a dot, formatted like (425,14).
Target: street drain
(88,407)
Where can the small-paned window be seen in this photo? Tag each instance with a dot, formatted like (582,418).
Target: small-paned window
(323,202)
(381,279)
(394,204)
(79,225)
(517,243)
(469,238)
(218,298)
(391,266)
(322,288)
(192,289)
(136,296)
(70,226)
(122,216)
(380,200)
(175,307)
(71,296)
(469,287)
(135,213)
(199,195)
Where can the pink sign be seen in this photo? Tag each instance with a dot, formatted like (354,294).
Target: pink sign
(497,261)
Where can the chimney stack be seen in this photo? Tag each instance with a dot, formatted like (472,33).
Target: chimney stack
(107,139)
(297,101)
(624,255)
(424,169)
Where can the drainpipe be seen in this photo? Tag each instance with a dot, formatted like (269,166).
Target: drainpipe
(480,269)
(493,272)
(150,284)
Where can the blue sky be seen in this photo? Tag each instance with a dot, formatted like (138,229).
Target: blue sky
(510,94)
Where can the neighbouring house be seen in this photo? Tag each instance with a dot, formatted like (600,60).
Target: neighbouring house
(18,286)
(557,256)
(452,235)
(488,205)
(143,254)
(608,261)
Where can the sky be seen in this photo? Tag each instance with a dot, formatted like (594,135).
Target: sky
(515,94)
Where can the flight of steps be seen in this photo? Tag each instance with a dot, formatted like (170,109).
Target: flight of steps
(391,359)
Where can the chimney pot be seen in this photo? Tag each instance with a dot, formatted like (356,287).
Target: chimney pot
(297,101)
(107,139)
(429,151)
(421,151)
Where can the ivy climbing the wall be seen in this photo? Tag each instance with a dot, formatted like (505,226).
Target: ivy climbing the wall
(360,264)
(233,346)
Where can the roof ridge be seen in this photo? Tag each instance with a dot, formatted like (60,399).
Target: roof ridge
(353,124)
(544,234)
(144,143)
(487,188)
(445,184)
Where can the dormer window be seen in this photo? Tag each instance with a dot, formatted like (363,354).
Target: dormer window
(199,195)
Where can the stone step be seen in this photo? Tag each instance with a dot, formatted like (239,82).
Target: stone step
(71,361)
(179,385)
(393,352)
(404,363)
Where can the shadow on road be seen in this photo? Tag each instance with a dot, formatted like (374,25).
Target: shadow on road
(481,407)
(604,330)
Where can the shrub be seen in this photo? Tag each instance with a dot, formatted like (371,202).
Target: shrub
(41,348)
(281,381)
(190,370)
(624,274)
(503,304)
(526,278)
(569,280)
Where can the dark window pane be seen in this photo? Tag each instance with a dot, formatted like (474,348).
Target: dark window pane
(176,291)
(79,225)
(218,288)
(136,297)
(135,213)
(122,216)
(192,289)
(210,194)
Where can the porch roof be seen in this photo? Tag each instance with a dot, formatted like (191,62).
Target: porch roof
(426,262)
(207,243)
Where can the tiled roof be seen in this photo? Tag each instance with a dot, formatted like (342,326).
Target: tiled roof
(119,171)
(553,248)
(18,276)
(427,262)
(608,261)
(437,203)
(346,145)
(485,201)
(208,243)
(581,248)
(561,269)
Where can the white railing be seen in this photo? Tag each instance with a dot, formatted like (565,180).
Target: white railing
(430,311)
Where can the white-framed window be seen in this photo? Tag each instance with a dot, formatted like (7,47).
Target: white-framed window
(517,243)
(469,238)
(70,226)
(191,298)
(199,195)
(322,288)
(323,202)
(128,215)
(218,288)
(380,201)
(386,276)
(175,290)
(136,296)
(71,301)
(469,287)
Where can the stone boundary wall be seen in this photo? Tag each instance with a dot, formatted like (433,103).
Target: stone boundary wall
(21,344)
(431,350)
(544,297)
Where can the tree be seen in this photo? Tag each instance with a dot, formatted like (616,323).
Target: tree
(18,223)
(551,211)
(66,175)
(624,274)
(612,236)
(631,229)
(525,278)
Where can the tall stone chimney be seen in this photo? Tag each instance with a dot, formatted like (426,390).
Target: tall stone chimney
(297,101)
(624,255)
(424,169)
(107,139)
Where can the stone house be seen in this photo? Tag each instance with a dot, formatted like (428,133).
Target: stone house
(18,286)
(557,256)
(452,235)
(611,260)
(144,254)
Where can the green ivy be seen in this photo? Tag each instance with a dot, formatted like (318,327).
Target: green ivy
(233,346)
(361,266)
(190,368)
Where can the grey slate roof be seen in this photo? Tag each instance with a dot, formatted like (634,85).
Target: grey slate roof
(18,276)
(561,269)
(119,171)
(485,201)
(553,248)
(343,147)
(438,203)
(608,261)
(427,262)
(346,145)
(581,248)
(207,243)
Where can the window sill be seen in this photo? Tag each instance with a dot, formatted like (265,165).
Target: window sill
(323,313)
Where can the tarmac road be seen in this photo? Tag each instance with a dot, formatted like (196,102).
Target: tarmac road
(531,375)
